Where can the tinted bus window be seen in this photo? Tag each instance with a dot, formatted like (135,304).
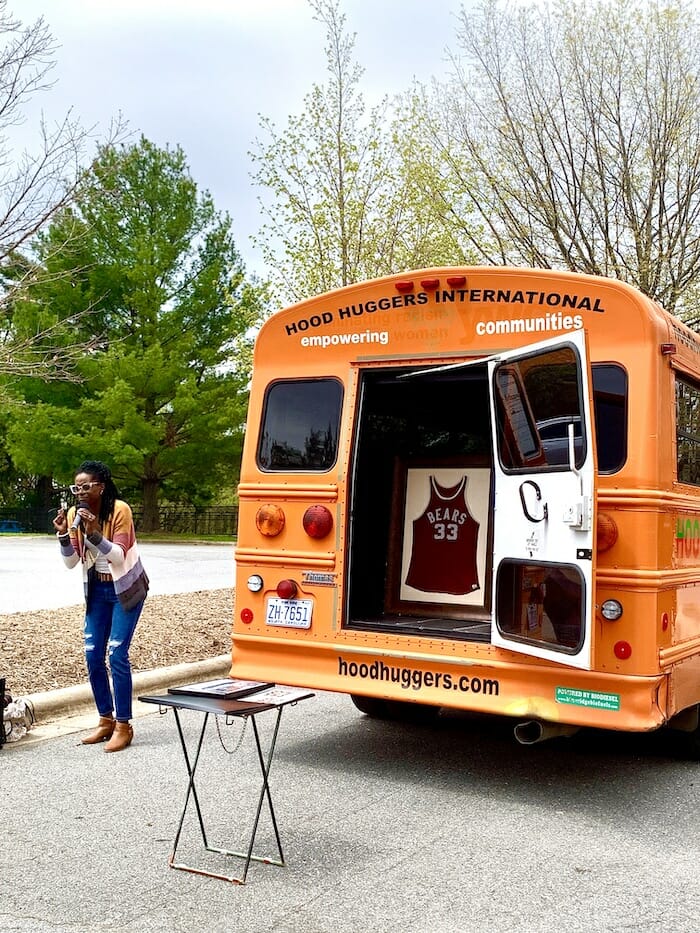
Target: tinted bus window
(688,432)
(300,425)
(539,397)
(610,405)
(547,390)
(541,602)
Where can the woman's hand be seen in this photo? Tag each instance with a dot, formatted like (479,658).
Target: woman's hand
(90,522)
(60,523)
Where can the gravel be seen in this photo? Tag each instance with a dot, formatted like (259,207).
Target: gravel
(43,650)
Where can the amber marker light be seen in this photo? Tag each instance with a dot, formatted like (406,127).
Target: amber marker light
(317,521)
(269,520)
(606,532)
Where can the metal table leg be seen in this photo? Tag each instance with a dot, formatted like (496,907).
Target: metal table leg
(265,765)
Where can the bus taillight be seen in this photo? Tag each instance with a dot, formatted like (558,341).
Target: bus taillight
(317,521)
(286,589)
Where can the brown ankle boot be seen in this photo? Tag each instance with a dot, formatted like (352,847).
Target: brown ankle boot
(123,734)
(104,730)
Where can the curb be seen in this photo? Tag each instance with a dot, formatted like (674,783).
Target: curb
(72,701)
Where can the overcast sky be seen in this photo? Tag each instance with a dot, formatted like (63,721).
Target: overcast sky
(198,73)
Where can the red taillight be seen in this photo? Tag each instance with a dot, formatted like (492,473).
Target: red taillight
(317,521)
(269,520)
(623,650)
(286,589)
(247,616)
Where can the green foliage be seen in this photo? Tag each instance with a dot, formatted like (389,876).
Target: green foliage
(343,201)
(163,395)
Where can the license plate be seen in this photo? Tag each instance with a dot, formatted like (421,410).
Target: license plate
(289,613)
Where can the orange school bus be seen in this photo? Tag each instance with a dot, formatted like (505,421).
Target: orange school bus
(476,488)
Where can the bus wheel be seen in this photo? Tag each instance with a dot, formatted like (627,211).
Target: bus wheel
(414,712)
(395,709)
(684,734)
(371,706)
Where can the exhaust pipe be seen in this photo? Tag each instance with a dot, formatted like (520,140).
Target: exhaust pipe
(533,730)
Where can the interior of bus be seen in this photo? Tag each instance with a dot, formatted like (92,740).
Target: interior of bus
(430,430)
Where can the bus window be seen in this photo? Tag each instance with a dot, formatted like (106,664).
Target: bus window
(300,425)
(688,431)
(538,398)
(519,440)
(610,406)
(541,603)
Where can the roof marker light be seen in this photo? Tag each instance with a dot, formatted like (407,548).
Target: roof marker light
(456,281)
(429,284)
(404,286)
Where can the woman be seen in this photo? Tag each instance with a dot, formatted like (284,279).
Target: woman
(98,533)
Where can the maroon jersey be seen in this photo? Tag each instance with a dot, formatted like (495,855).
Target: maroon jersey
(443,559)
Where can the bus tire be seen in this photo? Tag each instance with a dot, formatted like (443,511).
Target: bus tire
(684,734)
(372,706)
(398,710)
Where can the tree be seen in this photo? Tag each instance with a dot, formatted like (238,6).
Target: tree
(569,136)
(33,188)
(344,204)
(163,392)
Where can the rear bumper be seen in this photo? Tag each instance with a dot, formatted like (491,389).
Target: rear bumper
(520,689)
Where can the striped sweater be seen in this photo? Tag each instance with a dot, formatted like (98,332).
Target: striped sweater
(117,542)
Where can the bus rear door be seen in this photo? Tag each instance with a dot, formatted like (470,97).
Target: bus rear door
(544,521)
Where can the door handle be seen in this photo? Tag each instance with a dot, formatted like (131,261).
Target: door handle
(538,498)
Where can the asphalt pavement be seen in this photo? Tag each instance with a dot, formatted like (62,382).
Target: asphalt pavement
(172,568)
(385,827)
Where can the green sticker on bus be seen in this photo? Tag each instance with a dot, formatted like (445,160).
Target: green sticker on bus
(591,698)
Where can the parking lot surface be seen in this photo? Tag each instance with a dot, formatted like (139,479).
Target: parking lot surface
(33,576)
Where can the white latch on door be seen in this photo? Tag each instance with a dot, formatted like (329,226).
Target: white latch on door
(578,514)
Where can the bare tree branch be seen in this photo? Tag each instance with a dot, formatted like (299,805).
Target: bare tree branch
(574,130)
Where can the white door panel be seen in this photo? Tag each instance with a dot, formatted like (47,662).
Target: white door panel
(544,517)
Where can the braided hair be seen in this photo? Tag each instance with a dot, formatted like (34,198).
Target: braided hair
(102,472)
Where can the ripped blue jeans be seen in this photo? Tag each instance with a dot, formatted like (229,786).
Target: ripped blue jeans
(108,626)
